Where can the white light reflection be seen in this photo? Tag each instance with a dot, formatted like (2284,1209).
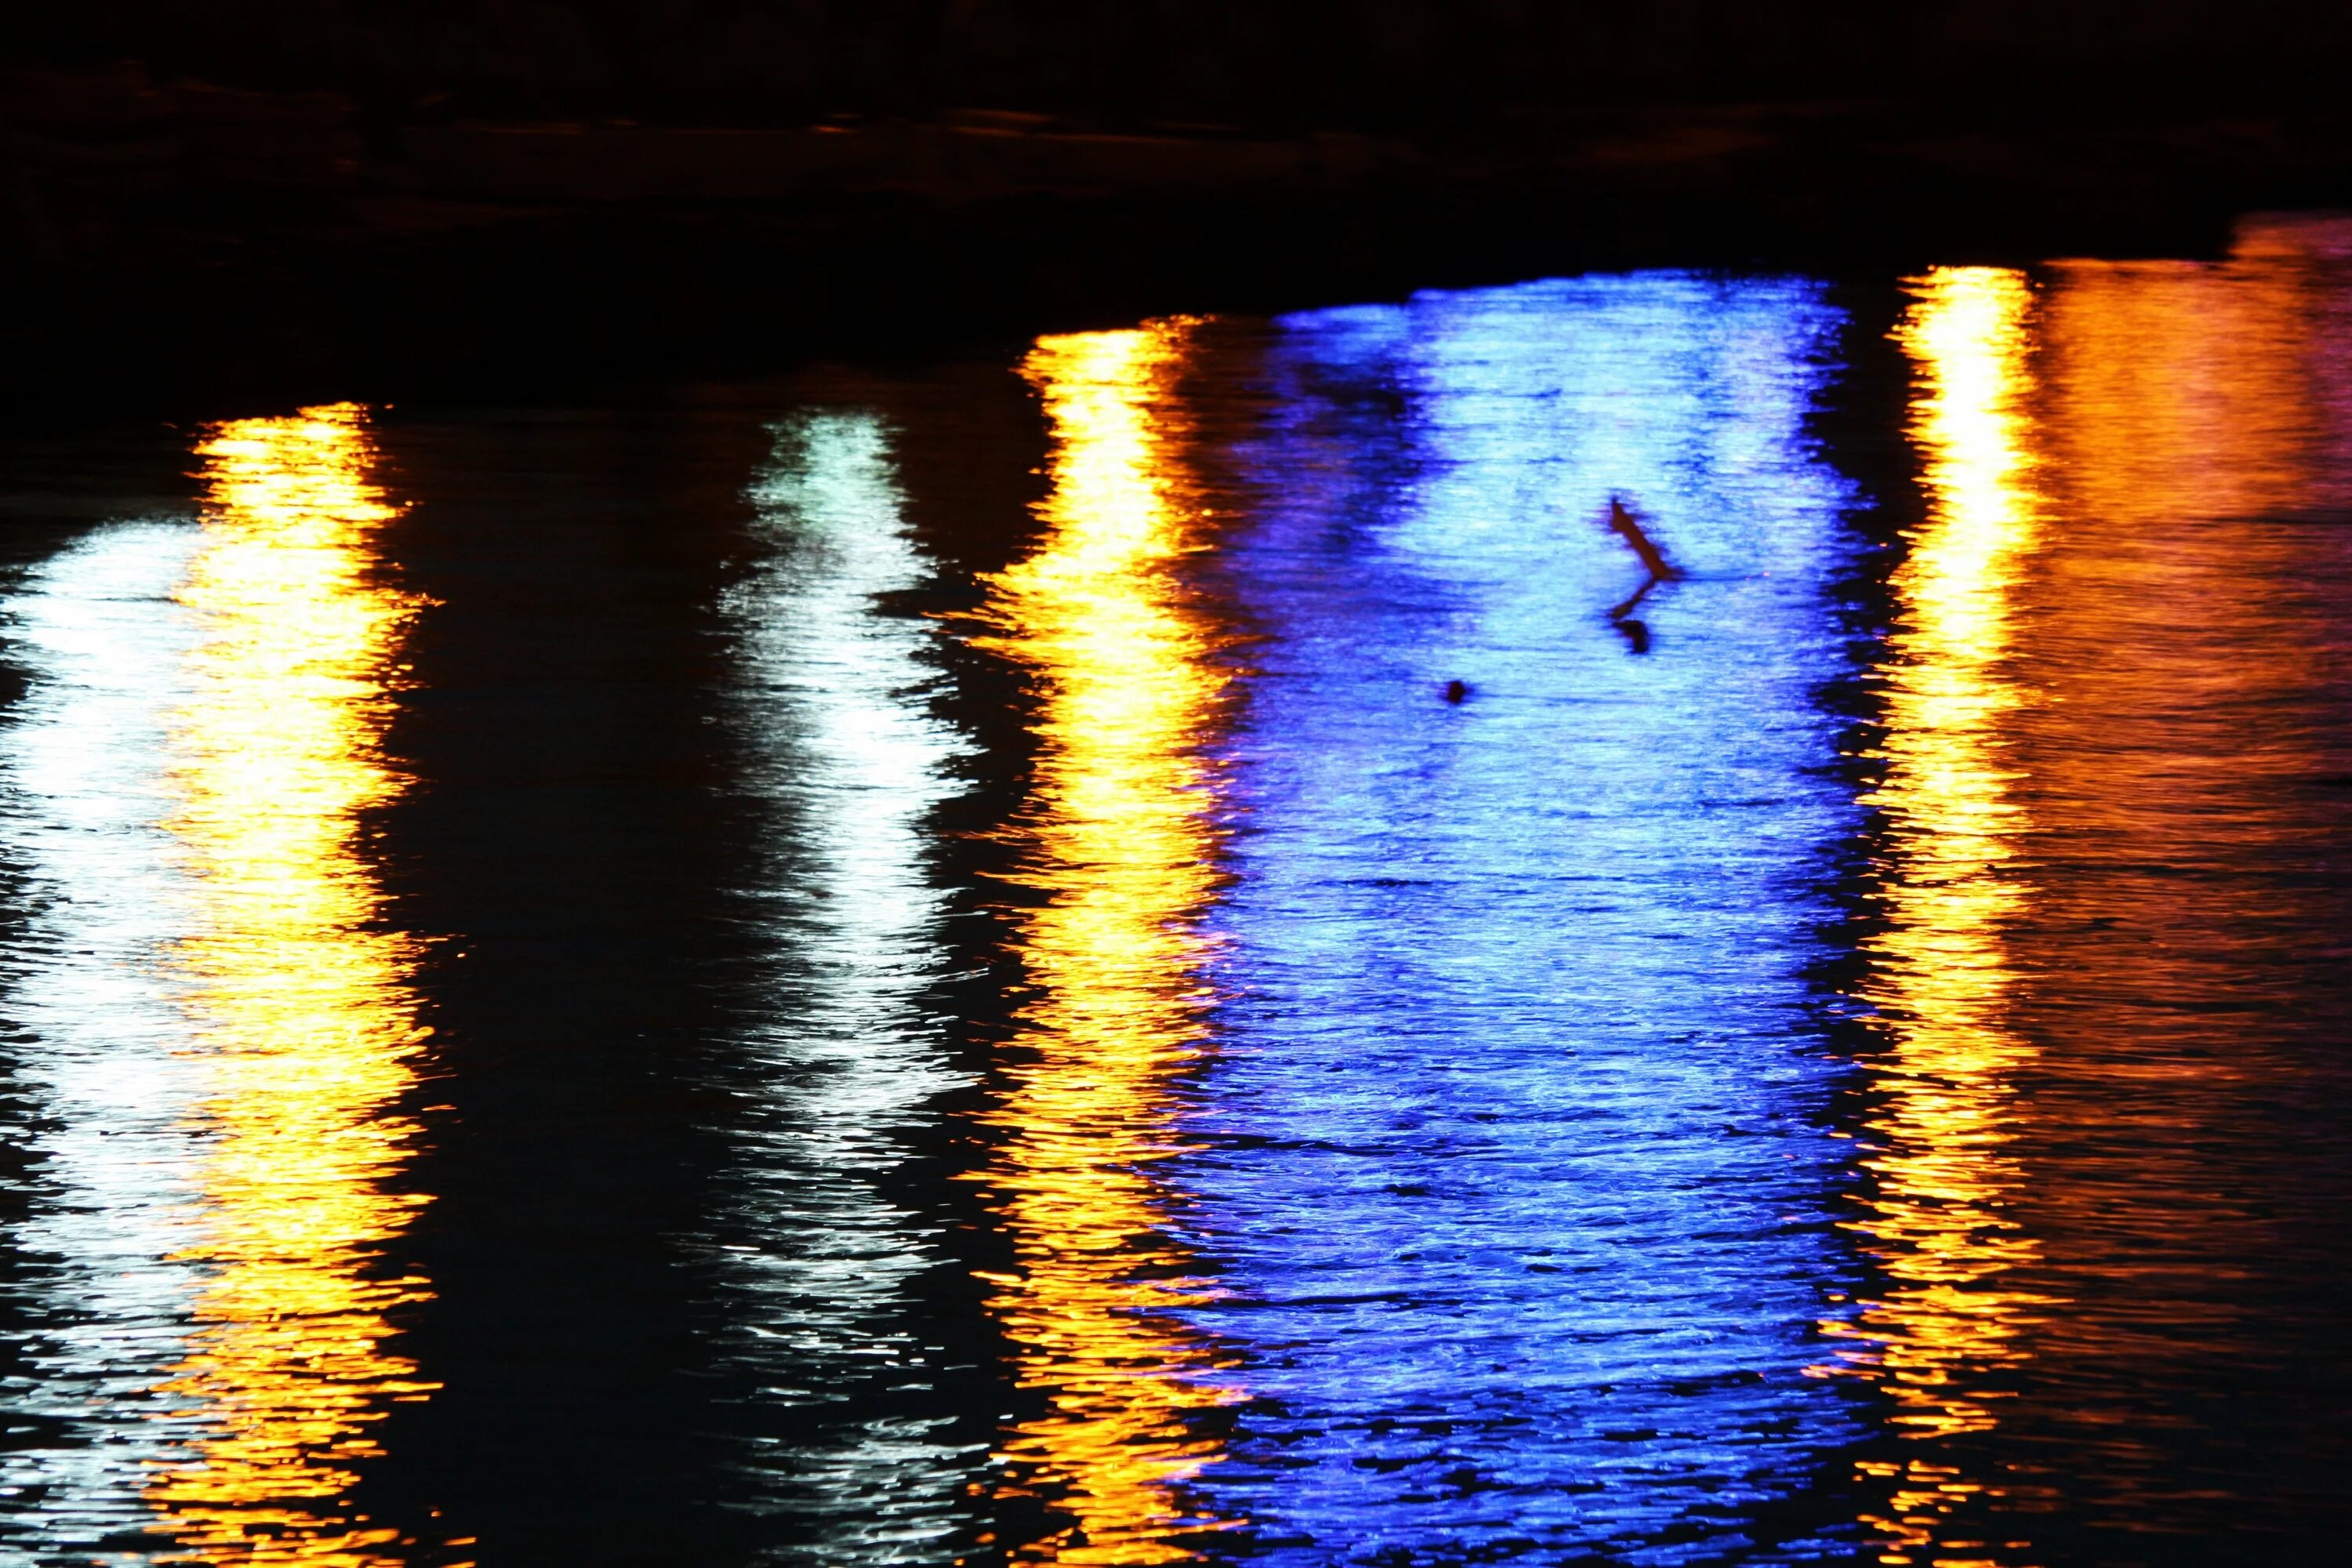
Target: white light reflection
(118,1154)
(849,763)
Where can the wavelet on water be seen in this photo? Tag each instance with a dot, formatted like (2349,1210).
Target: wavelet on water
(997,1029)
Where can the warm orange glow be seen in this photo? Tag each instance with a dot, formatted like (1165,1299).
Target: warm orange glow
(2184,391)
(2191,410)
(1934,1218)
(1120,840)
(301,1000)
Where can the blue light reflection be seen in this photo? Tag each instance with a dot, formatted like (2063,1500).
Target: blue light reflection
(1516,1172)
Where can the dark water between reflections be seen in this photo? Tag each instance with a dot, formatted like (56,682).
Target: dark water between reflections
(922,970)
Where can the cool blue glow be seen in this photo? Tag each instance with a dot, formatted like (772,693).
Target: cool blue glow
(1513,1169)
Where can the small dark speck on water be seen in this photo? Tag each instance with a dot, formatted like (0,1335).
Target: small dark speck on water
(935,1057)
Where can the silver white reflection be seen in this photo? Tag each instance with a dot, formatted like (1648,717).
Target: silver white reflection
(118,1149)
(848,762)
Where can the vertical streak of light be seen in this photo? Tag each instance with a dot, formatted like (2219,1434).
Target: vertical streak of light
(299,1000)
(1940,1175)
(852,763)
(1121,844)
(100,1038)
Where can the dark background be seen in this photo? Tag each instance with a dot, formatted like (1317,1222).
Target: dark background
(1284,64)
(220,205)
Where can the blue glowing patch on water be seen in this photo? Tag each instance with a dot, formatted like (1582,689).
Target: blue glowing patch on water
(1515,1172)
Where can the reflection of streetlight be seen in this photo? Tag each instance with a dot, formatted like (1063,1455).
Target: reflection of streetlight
(1934,1217)
(300,1001)
(1122,839)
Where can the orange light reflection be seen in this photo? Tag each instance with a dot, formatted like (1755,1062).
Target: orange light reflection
(1120,841)
(1941,1177)
(300,999)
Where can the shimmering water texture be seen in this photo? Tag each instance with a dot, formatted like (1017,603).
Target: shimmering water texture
(1121,841)
(218,1015)
(844,763)
(1940,1181)
(1193,959)
(1515,1159)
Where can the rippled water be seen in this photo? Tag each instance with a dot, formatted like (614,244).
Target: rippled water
(1170,952)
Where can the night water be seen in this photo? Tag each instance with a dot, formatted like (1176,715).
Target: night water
(1172,952)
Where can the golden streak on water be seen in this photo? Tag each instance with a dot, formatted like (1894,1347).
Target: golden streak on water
(300,1001)
(1120,840)
(1940,1175)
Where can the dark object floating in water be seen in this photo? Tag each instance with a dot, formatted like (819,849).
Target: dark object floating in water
(1456,690)
(1626,526)
(1622,522)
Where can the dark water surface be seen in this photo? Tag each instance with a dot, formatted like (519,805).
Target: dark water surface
(1159,954)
